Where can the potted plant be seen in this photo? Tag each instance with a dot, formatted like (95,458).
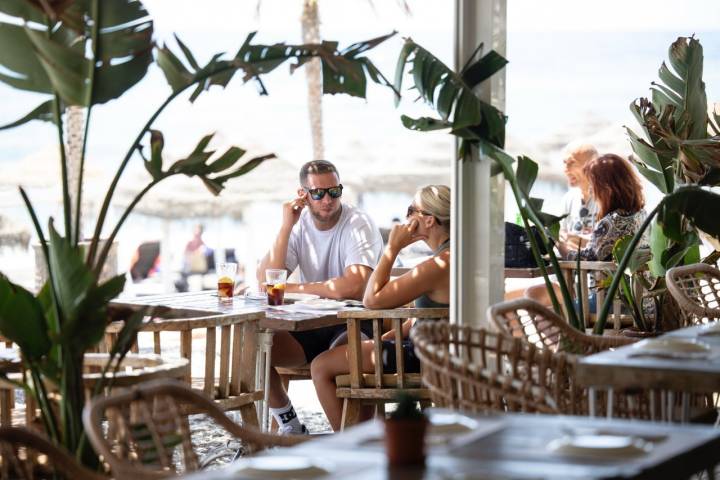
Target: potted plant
(81,54)
(405,433)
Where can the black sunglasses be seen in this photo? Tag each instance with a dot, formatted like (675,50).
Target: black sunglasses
(412,209)
(319,193)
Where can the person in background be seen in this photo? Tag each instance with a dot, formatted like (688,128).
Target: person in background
(578,202)
(335,246)
(195,258)
(618,193)
(428,285)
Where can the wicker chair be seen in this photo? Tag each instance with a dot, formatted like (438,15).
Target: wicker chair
(26,455)
(543,328)
(378,388)
(476,370)
(696,288)
(148,433)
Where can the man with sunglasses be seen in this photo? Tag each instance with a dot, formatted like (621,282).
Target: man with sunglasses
(335,248)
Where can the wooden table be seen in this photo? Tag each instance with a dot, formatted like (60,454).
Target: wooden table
(254,324)
(624,368)
(509,446)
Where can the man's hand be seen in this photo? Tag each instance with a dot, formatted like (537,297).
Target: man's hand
(292,211)
(404,234)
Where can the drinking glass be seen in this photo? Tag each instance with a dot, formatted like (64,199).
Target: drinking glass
(226,279)
(275,280)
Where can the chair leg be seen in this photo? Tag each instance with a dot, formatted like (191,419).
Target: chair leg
(380,410)
(425,404)
(248,413)
(6,407)
(350,413)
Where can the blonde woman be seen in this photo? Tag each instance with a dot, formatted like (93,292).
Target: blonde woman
(428,285)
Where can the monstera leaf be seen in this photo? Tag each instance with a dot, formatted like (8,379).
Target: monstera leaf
(451,95)
(46,45)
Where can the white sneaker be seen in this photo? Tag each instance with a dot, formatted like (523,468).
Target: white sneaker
(289,430)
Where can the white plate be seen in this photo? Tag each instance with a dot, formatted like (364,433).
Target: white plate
(301,297)
(710,329)
(322,304)
(282,467)
(293,297)
(672,345)
(451,424)
(600,446)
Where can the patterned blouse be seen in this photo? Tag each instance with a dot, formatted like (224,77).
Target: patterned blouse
(612,227)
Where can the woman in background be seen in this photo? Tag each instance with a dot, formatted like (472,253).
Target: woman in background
(618,193)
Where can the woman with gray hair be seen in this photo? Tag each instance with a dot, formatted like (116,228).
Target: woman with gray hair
(428,285)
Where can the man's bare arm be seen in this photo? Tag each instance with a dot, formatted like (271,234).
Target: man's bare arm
(277,255)
(351,285)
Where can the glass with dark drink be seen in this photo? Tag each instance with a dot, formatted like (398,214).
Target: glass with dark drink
(275,280)
(226,280)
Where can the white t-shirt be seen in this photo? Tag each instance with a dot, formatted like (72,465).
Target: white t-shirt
(580,216)
(325,254)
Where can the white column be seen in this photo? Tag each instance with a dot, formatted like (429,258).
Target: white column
(478,199)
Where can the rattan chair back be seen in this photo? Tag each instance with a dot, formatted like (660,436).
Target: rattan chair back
(26,455)
(148,434)
(473,369)
(540,326)
(696,288)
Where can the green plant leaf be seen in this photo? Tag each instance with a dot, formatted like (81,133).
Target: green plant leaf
(452,98)
(66,67)
(25,71)
(22,320)
(639,257)
(486,67)
(424,124)
(22,9)
(154,165)
(695,204)
(177,76)
(87,328)
(686,58)
(43,112)
(247,167)
(658,245)
(71,278)
(226,160)
(526,174)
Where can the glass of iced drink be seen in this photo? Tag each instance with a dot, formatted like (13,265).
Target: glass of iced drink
(226,279)
(275,280)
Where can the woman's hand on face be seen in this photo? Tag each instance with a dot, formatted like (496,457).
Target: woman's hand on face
(405,234)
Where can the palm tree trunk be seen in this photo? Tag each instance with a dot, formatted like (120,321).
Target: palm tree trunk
(310,21)
(74,137)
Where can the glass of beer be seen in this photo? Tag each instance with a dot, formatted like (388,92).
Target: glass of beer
(275,280)
(226,279)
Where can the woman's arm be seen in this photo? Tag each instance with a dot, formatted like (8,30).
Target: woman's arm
(381,292)
(598,239)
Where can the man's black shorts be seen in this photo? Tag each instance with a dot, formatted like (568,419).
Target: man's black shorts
(316,341)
